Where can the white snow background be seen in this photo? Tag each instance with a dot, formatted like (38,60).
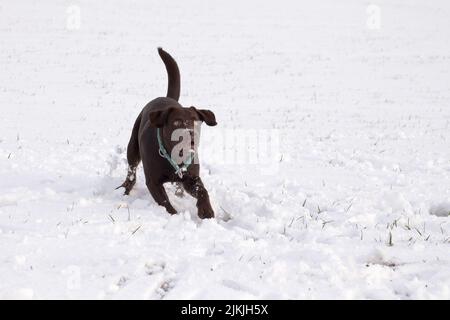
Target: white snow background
(357,206)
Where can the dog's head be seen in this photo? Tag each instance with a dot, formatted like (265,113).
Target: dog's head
(180,127)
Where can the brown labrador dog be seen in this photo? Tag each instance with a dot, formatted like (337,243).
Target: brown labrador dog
(152,142)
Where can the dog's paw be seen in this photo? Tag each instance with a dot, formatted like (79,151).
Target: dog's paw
(205,211)
(127,185)
(170,209)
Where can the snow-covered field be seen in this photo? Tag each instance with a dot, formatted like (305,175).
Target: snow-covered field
(354,203)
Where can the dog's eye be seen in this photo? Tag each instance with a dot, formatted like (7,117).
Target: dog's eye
(177,123)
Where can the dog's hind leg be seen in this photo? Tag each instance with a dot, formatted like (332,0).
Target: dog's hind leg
(133,157)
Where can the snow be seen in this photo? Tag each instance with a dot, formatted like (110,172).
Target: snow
(352,202)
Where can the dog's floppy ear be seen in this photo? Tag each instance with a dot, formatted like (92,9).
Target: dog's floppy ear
(158,118)
(207,116)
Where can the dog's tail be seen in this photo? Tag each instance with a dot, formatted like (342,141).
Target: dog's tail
(173,90)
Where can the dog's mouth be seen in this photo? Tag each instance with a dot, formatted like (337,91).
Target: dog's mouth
(188,147)
(191,150)
(192,141)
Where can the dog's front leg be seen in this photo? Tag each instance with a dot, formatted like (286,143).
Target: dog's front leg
(159,194)
(194,186)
